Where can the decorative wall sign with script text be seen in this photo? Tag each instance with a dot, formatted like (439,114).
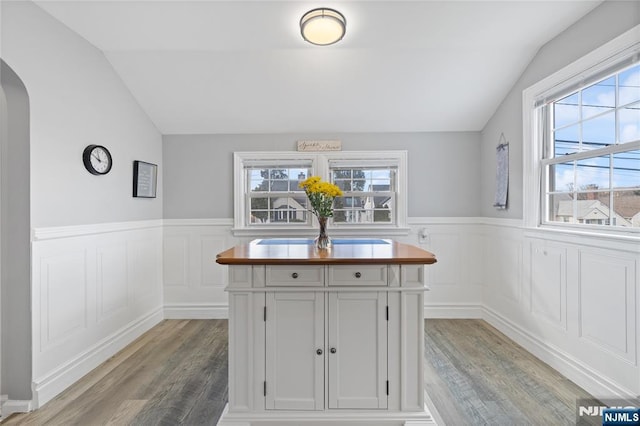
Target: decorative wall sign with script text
(319,145)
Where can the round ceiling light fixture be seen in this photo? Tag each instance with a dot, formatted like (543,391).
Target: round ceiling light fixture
(323,26)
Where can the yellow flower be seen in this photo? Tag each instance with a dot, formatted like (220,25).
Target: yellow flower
(321,195)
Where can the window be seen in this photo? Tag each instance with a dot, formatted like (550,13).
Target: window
(268,200)
(369,192)
(272,192)
(585,147)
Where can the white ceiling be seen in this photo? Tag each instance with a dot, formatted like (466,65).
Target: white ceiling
(242,67)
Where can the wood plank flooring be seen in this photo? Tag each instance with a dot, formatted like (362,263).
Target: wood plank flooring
(176,374)
(475,375)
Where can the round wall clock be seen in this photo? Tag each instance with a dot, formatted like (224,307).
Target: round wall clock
(97,159)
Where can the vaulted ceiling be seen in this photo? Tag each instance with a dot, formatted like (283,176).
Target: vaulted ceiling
(242,66)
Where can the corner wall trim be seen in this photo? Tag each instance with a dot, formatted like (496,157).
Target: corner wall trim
(196,311)
(46,388)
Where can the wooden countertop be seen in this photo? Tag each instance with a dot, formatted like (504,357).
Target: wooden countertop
(301,251)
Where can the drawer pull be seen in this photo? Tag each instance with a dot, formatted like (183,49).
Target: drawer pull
(319,351)
(294,275)
(358,274)
(333,350)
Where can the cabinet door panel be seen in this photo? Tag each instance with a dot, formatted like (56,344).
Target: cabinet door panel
(358,366)
(294,333)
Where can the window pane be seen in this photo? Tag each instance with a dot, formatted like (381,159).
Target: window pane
(561,177)
(343,184)
(626,207)
(567,140)
(629,123)
(592,173)
(626,170)
(599,132)
(629,86)
(561,208)
(599,98)
(592,208)
(566,111)
(257,179)
(259,210)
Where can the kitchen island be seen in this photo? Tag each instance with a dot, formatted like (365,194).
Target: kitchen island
(322,337)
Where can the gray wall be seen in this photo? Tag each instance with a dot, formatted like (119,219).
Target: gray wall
(443,169)
(76,99)
(15,288)
(601,25)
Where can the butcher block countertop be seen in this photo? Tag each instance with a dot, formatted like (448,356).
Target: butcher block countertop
(345,251)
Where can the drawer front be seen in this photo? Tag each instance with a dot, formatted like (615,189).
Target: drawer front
(292,276)
(363,275)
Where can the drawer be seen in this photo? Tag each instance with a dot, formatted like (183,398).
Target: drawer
(363,275)
(292,276)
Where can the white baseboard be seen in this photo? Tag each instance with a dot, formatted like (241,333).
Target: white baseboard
(470,311)
(196,311)
(565,364)
(11,406)
(47,387)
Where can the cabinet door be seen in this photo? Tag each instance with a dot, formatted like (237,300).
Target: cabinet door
(295,351)
(357,347)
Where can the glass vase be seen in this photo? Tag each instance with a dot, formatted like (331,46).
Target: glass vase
(323,241)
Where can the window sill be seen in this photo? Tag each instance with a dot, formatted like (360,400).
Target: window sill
(569,234)
(372,231)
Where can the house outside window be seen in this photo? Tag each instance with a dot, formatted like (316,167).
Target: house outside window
(584,153)
(269,201)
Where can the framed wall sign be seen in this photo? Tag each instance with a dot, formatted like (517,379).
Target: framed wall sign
(145,179)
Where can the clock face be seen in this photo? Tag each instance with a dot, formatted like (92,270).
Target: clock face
(97,159)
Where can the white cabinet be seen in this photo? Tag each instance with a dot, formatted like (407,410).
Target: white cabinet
(357,342)
(311,344)
(295,351)
(352,360)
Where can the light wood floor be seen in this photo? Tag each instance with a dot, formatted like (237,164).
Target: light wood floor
(176,374)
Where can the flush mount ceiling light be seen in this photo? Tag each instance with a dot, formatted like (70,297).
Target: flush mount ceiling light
(323,26)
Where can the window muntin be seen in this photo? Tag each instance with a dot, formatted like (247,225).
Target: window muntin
(591,173)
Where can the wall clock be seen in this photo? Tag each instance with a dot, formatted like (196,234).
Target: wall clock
(97,159)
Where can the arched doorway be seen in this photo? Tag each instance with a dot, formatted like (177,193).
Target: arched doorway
(15,243)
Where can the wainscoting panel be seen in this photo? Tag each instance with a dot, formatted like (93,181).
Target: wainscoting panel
(448,247)
(63,283)
(211,273)
(176,259)
(194,282)
(506,280)
(112,281)
(548,288)
(94,290)
(607,286)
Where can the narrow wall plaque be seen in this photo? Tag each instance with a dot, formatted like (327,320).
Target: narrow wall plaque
(319,145)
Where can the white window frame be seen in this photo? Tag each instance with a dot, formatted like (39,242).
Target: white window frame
(593,63)
(320,167)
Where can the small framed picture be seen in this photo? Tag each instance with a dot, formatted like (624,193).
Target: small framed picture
(145,179)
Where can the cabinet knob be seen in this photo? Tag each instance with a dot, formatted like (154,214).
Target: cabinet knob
(358,274)
(319,351)
(333,350)
(294,275)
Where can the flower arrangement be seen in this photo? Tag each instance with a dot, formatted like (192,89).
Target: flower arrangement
(321,195)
